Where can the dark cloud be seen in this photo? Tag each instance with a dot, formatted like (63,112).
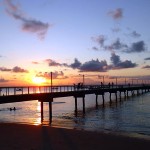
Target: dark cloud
(99,39)
(52,62)
(55,75)
(95,48)
(115,59)
(118,45)
(118,64)
(35,26)
(59,75)
(94,66)
(17,69)
(126,64)
(146,67)
(76,64)
(148,58)
(3,80)
(28,25)
(116,14)
(102,66)
(4,69)
(136,47)
(135,34)
(90,66)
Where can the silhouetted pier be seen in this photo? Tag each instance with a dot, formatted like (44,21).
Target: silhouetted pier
(48,93)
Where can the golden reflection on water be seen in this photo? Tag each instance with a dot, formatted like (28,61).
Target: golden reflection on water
(38,120)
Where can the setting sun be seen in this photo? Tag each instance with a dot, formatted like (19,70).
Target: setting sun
(38,80)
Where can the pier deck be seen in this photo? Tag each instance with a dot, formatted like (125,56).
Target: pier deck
(47,93)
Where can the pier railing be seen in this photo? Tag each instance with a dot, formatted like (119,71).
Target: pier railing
(20,90)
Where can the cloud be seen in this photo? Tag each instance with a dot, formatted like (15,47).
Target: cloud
(10,6)
(28,25)
(3,80)
(115,59)
(35,62)
(95,48)
(148,58)
(90,66)
(4,69)
(17,69)
(94,66)
(135,34)
(55,75)
(52,62)
(118,45)
(76,64)
(136,47)
(116,14)
(59,75)
(118,64)
(116,29)
(99,39)
(146,67)
(34,26)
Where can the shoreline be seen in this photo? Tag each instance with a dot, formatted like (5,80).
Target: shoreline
(119,133)
(31,137)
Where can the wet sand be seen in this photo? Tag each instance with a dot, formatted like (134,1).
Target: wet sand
(30,137)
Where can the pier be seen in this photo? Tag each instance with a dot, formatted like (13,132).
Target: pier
(48,93)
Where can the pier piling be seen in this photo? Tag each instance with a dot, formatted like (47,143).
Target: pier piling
(42,117)
(50,111)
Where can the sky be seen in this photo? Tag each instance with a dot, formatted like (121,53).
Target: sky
(96,38)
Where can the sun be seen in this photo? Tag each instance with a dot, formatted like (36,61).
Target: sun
(38,80)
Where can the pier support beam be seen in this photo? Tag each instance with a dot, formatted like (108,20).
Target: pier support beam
(42,111)
(116,96)
(83,99)
(79,95)
(127,94)
(120,95)
(97,93)
(103,100)
(96,101)
(50,112)
(76,109)
(110,98)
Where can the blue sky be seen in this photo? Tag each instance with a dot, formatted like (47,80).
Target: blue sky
(71,37)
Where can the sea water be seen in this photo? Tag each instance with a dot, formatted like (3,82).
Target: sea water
(130,115)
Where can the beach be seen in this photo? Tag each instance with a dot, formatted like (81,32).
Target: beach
(31,137)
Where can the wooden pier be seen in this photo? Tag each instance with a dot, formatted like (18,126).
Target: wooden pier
(48,93)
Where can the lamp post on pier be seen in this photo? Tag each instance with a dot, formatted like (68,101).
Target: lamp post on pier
(51,81)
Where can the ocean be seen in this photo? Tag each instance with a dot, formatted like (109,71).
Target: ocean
(130,116)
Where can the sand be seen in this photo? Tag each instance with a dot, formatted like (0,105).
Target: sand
(30,137)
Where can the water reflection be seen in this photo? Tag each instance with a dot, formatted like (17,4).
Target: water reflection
(130,115)
(38,120)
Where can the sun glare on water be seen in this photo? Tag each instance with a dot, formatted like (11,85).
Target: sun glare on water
(38,80)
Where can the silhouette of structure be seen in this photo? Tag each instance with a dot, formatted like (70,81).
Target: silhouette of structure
(47,93)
